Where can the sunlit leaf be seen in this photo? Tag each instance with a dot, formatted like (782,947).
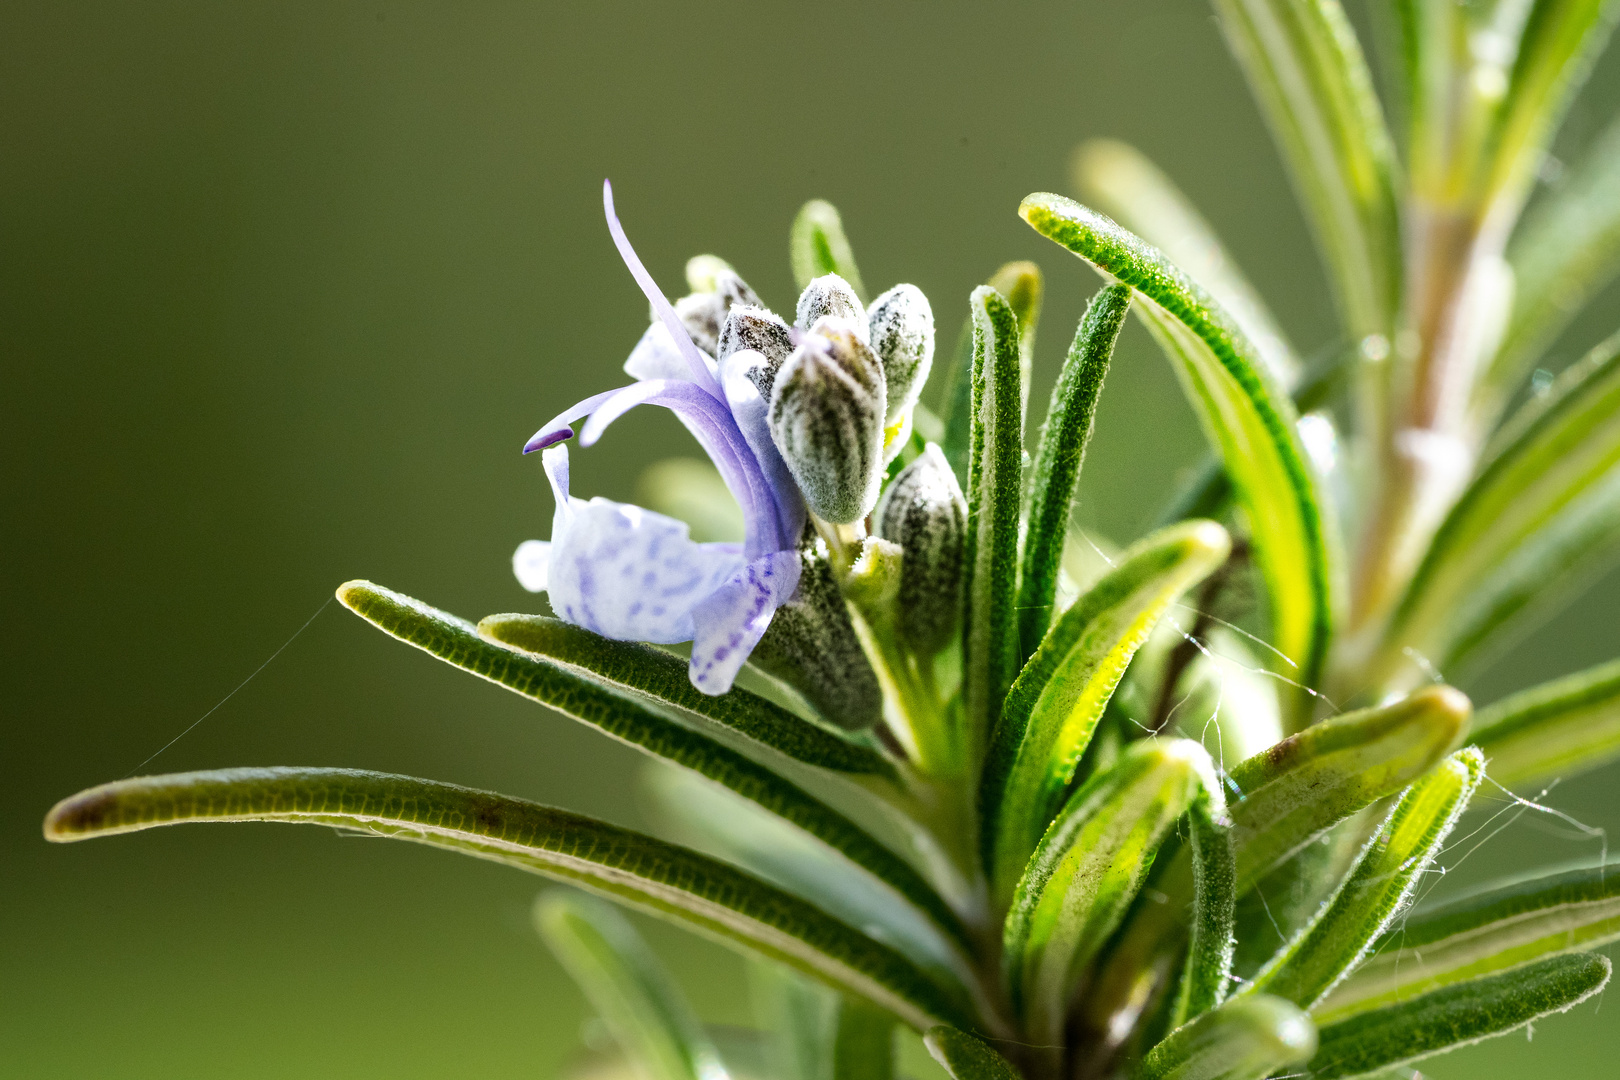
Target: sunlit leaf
(1061,452)
(995,465)
(1053,707)
(1131,189)
(672,882)
(1247,417)
(967,1057)
(1307,70)
(1087,870)
(1481,934)
(1208,973)
(817,246)
(1243,1040)
(1021,284)
(1559,728)
(1380,882)
(628,988)
(567,689)
(1456,1016)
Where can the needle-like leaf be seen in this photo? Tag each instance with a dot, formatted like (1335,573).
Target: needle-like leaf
(995,466)
(967,1057)
(1243,1040)
(1208,973)
(1087,870)
(817,246)
(1023,287)
(863,1042)
(1537,512)
(1482,934)
(1053,707)
(1456,1016)
(1306,68)
(643,670)
(1131,189)
(1559,728)
(568,690)
(1247,417)
(660,878)
(1058,459)
(628,988)
(1344,930)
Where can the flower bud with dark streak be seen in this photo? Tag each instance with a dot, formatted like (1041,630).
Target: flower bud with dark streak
(924,512)
(826,417)
(830,295)
(757,329)
(901,324)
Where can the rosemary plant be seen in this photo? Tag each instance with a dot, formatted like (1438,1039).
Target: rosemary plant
(1071,811)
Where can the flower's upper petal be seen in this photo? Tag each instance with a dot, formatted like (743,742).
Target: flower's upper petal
(632,574)
(712,424)
(656,356)
(732,619)
(697,370)
(561,426)
(750,411)
(530,562)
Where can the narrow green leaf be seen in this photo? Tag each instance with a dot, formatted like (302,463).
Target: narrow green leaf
(1058,460)
(817,246)
(1559,728)
(1306,68)
(1247,417)
(967,1057)
(660,878)
(1380,882)
(1053,707)
(1482,934)
(628,988)
(1022,286)
(995,463)
(1132,190)
(1539,507)
(643,670)
(796,1017)
(1288,797)
(863,1042)
(1087,870)
(569,691)
(1243,1040)
(1456,1016)
(1567,248)
(1311,781)
(1208,973)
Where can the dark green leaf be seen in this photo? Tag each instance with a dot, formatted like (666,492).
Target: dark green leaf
(1481,934)
(628,988)
(967,1057)
(569,691)
(1022,286)
(995,464)
(1208,973)
(1058,460)
(1247,417)
(1455,1016)
(1379,884)
(1053,707)
(863,1042)
(660,878)
(1243,1040)
(1559,728)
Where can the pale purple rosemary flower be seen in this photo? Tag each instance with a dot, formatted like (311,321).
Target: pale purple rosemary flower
(631,574)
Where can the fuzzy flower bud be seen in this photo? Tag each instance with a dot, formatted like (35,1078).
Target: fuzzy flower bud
(830,295)
(715,289)
(902,334)
(924,512)
(826,419)
(757,329)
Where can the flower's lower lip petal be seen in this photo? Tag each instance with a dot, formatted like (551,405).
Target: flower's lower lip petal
(632,574)
(530,563)
(561,425)
(732,619)
(700,372)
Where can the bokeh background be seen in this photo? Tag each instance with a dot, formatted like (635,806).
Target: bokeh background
(283,288)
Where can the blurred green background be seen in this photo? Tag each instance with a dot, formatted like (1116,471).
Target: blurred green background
(283,288)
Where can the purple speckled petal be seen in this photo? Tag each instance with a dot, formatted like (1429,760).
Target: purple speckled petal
(749,410)
(731,620)
(698,370)
(561,426)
